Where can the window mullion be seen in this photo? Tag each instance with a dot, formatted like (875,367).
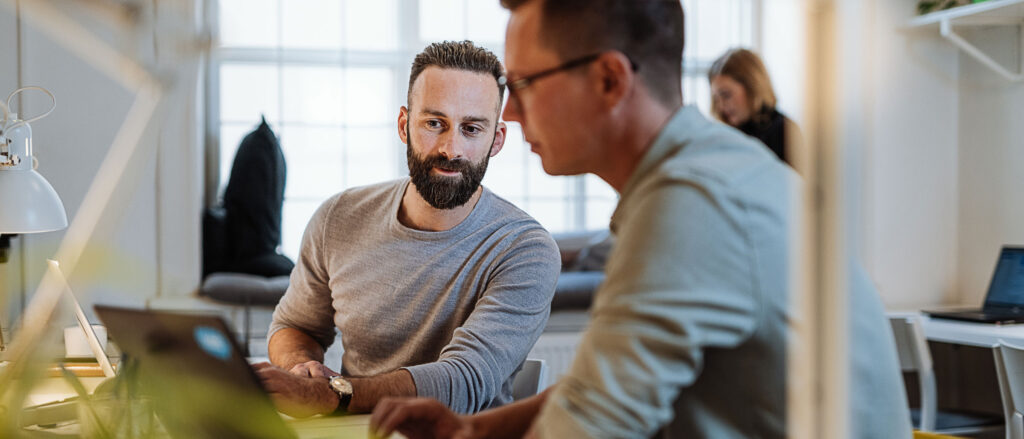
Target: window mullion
(212,116)
(408,40)
(580,203)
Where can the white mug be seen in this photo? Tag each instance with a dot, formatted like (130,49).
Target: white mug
(76,345)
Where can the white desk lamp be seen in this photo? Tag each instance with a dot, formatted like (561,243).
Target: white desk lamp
(28,203)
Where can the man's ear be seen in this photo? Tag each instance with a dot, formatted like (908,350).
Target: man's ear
(499,138)
(614,77)
(403,123)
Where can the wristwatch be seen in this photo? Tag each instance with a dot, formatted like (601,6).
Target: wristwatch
(343,388)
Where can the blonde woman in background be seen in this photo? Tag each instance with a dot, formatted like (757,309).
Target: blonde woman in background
(742,96)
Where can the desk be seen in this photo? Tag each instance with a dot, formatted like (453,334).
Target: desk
(343,427)
(964,364)
(56,389)
(971,334)
(335,427)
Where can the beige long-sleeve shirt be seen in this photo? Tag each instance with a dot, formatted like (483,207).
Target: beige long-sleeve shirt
(690,329)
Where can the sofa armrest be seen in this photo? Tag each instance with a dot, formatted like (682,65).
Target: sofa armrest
(575,290)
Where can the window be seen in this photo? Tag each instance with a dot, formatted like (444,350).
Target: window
(712,27)
(330,75)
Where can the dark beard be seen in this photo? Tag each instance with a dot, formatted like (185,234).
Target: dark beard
(440,191)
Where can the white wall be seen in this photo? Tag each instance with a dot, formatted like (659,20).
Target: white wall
(910,209)
(945,162)
(147,243)
(991,141)
(10,273)
(898,107)
(70,145)
(181,148)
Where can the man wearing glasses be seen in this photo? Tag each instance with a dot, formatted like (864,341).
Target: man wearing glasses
(438,287)
(689,331)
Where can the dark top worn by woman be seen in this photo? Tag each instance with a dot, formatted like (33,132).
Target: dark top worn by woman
(773,129)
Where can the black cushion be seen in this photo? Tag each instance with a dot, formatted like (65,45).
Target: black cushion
(253,200)
(214,242)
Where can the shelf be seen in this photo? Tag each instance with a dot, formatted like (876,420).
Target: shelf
(990,13)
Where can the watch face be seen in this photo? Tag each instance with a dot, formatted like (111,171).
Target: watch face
(341,385)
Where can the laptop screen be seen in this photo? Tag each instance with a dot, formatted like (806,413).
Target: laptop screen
(1007,287)
(194,372)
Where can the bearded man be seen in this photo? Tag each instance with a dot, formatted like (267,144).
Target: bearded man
(438,287)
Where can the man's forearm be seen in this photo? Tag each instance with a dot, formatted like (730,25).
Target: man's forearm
(367,392)
(291,346)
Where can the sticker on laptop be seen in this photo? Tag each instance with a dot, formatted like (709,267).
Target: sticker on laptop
(213,342)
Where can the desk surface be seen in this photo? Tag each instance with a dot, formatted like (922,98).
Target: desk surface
(355,426)
(335,427)
(973,334)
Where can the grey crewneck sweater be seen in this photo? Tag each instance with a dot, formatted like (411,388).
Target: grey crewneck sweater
(459,309)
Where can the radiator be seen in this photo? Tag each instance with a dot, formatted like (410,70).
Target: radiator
(557,349)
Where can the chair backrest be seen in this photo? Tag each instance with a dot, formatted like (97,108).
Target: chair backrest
(531,379)
(912,348)
(1010,371)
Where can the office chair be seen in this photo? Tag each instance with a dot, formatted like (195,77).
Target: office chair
(531,379)
(1010,371)
(912,348)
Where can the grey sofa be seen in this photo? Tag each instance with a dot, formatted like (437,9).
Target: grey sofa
(583,258)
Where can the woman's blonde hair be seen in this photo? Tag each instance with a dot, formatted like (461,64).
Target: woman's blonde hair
(746,68)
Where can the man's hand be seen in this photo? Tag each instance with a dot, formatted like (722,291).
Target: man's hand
(313,369)
(294,395)
(418,418)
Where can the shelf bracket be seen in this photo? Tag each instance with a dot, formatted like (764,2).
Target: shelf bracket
(946,29)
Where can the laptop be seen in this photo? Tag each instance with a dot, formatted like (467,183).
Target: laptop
(200,383)
(1004,303)
(83,322)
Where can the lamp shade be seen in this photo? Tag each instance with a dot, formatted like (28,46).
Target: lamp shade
(28,203)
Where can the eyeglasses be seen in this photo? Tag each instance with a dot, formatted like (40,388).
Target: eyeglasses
(525,81)
(521,83)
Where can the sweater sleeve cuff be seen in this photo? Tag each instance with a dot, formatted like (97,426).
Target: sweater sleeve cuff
(428,379)
(274,327)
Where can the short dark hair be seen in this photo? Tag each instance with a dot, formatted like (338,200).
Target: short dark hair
(649,32)
(459,55)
